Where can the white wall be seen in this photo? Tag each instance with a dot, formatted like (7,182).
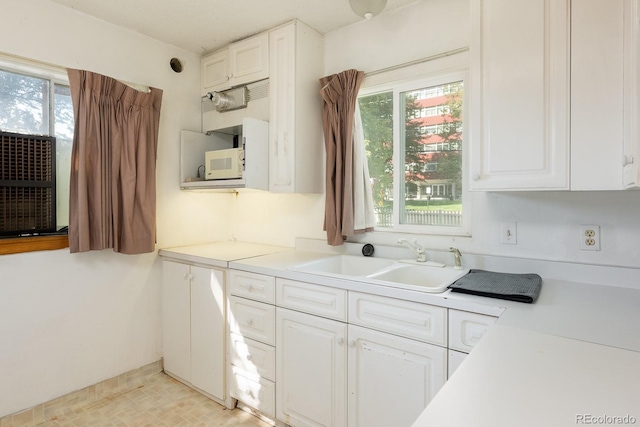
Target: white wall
(69,321)
(418,30)
(277,219)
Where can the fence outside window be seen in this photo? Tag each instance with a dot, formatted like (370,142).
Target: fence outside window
(384,217)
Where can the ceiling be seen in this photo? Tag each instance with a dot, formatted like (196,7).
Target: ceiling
(202,26)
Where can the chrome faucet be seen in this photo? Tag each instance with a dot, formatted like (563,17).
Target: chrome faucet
(421,256)
(456,257)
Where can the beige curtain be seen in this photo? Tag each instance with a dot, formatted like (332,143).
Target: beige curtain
(339,93)
(113,165)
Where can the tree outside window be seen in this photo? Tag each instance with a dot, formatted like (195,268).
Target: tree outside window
(432,161)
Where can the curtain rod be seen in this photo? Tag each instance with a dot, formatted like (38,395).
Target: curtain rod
(418,61)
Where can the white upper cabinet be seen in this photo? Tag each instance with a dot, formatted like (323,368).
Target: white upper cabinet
(295,125)
(520,94)
(215,71)
(555,95)
(249,60)
(242,62)
(291,57)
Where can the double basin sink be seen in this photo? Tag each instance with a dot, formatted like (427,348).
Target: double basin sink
(419,276)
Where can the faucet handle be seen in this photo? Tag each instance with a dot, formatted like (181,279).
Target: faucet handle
(456,257)
(421,255)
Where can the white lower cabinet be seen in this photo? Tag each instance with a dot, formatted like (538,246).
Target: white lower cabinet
(193,326)
(251,338)
(311,355)
(391,379)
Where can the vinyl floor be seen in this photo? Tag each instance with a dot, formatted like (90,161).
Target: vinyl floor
(156,400)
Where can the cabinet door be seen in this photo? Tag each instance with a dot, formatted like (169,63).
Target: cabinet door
(311,356)
(313,299)
(215,72)
(252,356)
(410,319)
(282,45)
(249,60)
(597,116)
(252,319)
(176,319)
(254,286)
(519,95)
(253,390)
(391,379)
(207,330)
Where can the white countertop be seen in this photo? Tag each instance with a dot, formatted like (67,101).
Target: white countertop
(517,377)
(575,351)
(219,254)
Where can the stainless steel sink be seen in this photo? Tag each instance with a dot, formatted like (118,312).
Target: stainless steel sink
(420,278)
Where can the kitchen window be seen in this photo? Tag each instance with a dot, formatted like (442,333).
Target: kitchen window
(36,116)
(429,194)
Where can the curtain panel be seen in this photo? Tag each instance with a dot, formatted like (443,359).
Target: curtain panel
(339,93)
(112,195)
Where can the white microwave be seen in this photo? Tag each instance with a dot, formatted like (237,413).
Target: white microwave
(224,164)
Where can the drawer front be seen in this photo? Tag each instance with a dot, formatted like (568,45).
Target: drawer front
(253,356)
(422,322)
(455,360)
(313,299)
(253,391)
(466,329)
(251,285)
(252,319)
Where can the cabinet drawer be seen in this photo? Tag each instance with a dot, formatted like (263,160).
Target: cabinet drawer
(422,322)
(466,329)
(455,360)
(253,391)
(252,319)
(251,285)
(313,299)
(253,356)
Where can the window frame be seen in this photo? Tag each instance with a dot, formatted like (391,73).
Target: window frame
(56,76)
(409,84)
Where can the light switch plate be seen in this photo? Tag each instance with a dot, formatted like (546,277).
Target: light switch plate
(508,233)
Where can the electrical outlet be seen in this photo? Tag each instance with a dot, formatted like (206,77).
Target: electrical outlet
(590,237)
(508,233)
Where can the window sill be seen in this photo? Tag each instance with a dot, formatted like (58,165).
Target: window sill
(32,244)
